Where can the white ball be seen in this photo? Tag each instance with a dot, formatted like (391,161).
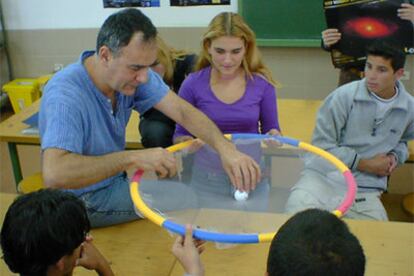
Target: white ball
(240,196)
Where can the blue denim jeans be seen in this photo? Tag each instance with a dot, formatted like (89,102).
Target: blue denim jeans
(110,205)
(113,204)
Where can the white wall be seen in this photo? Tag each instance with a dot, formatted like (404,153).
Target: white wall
(74,14)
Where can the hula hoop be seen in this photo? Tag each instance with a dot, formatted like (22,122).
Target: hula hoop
(242,238)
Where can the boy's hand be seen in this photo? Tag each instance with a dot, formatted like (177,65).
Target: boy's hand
(90,258)
(330,37)
(393,162)
(378,165)
(187,250)
(406,12)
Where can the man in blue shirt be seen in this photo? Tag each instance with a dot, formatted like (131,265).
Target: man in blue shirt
(86,107)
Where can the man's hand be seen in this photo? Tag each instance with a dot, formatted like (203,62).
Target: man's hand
(187,250)
(330,37)
(243,171)
(406,12)
(90,258)
(155,159)
(379,165)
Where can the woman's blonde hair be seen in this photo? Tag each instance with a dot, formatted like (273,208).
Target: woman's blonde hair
(167,56)
(232,24)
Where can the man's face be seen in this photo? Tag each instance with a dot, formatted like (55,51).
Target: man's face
(380,76)
(129,67)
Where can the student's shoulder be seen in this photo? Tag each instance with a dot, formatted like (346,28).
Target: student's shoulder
(405,97)
(190,59)
(199,76)
(404,91)
(348,90)
(185,63)
(344,95)
(261,81)
(71,76)
(68,85)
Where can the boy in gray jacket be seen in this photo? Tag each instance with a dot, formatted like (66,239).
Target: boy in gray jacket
(367,125)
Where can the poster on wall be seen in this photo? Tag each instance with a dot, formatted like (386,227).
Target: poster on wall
(184,3)
(130,3)
(361,22)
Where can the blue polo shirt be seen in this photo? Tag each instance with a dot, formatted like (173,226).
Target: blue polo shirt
(75,116)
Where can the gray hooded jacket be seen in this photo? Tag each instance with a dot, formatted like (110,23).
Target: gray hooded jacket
(347,127)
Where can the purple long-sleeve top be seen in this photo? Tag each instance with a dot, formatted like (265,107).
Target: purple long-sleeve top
(254,112)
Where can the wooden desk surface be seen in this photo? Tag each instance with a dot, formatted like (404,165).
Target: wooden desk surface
(11,129)
(297,120)
(141,248)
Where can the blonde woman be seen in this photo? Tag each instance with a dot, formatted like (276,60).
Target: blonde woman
(233,87)
(231,84)
(173,66)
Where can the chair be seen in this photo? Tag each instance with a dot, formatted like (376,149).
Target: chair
(31,183)
(408,203)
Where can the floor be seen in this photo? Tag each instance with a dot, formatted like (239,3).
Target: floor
(30,161)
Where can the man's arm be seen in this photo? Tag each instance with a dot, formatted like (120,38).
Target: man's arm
(63,169)
(331,118)
(401,149)
(243,171)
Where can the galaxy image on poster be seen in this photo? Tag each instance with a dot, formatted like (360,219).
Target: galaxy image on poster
(361,22)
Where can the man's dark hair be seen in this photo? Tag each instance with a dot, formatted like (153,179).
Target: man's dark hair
(315,242)
(118,29)
(40,228)
(388,51)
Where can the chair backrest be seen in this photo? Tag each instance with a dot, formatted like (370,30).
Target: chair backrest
(31,183)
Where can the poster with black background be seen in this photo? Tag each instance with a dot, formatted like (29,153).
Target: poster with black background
(361,22)
(130,3)
(184,3)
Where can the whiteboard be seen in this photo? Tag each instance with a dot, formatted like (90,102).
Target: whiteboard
(75,14)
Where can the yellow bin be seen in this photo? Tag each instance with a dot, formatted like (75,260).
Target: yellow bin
(22,92)
(42,80)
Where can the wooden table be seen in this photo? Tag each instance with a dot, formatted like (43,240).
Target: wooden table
(297,120)
(141,248)
(388,248)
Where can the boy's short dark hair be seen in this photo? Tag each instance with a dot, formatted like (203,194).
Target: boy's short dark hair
(40,228)
(388,51)
(118,29)
(315,242)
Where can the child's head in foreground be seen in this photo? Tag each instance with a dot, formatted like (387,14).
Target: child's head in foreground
(42,231)
(315,242)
